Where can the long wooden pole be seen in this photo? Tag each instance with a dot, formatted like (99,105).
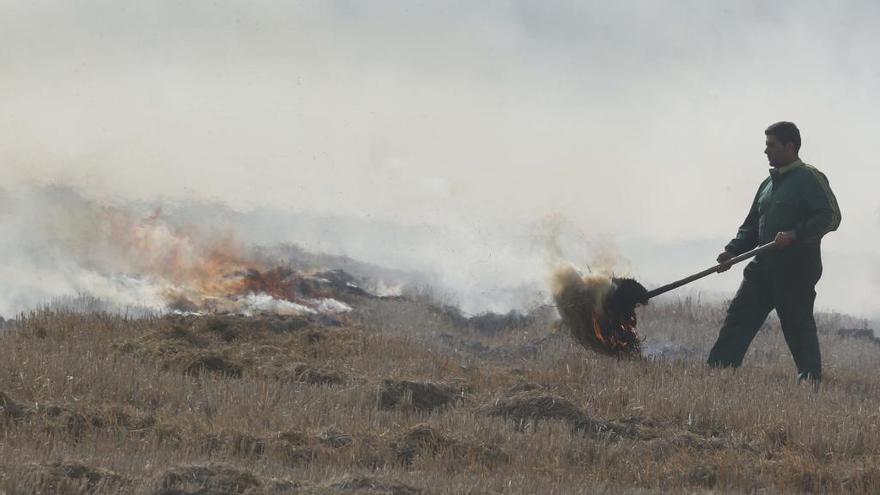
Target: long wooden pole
(709,271)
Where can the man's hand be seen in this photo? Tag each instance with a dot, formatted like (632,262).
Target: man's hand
(725,256)
(784,239)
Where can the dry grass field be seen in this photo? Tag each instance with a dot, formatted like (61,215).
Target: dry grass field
(399,397)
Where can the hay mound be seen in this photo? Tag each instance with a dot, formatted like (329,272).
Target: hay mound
(287,284)
(180,333)
(214,478)
(77,419)
(522,386)
(200,363)
(487,323)
(289,447)
(534,406)
(422,439)
(292,455)
(11,410)
(369,486)
(421,396)
(293,437)
(309,374)
(599,311)
(608,430)
(334,437)
(245,445)
(226,346)
(73,477)
(71,421)
(218,479)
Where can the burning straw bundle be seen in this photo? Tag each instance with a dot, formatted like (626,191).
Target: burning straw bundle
(599,311)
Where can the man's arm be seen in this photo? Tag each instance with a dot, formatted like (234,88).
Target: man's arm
(823,214)
(747,235)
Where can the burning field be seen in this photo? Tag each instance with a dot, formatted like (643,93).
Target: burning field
(146,262)
(253,373)
(401,396)
(203,274)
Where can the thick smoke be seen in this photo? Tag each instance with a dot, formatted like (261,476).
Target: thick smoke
(456,126)
(61,248)
(58,245)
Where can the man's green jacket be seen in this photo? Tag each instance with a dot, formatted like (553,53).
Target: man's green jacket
(794,197)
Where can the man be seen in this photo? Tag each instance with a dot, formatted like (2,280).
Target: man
(794,207)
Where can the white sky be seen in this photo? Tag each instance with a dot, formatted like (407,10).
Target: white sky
(639,121)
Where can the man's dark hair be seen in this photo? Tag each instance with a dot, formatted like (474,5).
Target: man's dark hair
(785,132)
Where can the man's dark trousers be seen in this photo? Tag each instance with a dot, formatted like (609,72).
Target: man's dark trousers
(761,291)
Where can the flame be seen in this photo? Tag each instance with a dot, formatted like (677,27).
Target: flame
(209,271)
(621,339)
(581,301)
(597,329)
(285,283)
(181,256)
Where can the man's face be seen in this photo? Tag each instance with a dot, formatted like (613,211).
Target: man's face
(779,154)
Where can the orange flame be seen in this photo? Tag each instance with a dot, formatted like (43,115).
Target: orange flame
(182,256)
(597,329)
(621,340)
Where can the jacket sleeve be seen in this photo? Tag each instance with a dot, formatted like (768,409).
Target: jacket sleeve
(747,235)
(823,214)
